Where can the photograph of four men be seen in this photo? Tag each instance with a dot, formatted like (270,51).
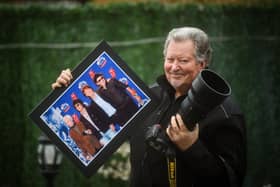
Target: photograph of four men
(95,108)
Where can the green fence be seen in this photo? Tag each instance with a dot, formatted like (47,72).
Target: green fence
(37,42)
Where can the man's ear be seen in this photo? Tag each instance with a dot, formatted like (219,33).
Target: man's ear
(203,65)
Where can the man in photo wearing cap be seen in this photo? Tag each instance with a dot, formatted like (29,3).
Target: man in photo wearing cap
(114,92)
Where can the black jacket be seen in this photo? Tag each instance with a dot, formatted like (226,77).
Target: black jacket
(218,157)
(99,117)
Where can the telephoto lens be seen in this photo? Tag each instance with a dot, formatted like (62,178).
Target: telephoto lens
(208,90)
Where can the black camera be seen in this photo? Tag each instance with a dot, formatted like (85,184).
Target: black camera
(208,90)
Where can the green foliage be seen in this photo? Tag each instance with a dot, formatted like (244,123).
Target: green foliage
(246,47)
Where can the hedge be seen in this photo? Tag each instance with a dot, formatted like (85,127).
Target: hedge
(246,52)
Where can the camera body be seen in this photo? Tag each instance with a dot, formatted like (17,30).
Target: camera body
(208,90)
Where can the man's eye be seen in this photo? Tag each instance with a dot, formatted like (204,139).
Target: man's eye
(184,61)
(170,60)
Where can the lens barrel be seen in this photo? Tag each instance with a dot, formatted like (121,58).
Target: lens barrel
(208,90)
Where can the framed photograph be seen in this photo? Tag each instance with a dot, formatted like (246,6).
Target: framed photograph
(95,114)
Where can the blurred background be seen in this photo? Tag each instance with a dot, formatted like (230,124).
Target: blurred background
(40,38)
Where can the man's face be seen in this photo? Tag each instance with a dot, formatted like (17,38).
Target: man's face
(68,122)
(180,65)
(88,92)
(100,81)
(79,107)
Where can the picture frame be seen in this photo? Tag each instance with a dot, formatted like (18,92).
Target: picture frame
(89,119)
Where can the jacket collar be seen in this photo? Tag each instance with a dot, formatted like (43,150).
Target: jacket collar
(165,85)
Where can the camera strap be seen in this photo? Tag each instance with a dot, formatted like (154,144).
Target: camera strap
(171,165)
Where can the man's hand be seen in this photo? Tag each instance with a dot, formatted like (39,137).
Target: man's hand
(88,131)
(63,79)
(112,127)
(180,135)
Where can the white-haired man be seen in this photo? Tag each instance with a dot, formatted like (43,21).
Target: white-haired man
(214,152)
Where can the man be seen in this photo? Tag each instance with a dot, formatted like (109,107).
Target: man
(84,139)
(131,91)
(96,101)
(101,108)
(114,92)
(94,120)
(214,152)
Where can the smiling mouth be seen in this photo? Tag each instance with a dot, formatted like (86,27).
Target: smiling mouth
(176,76)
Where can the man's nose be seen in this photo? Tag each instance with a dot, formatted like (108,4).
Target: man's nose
(175,65)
